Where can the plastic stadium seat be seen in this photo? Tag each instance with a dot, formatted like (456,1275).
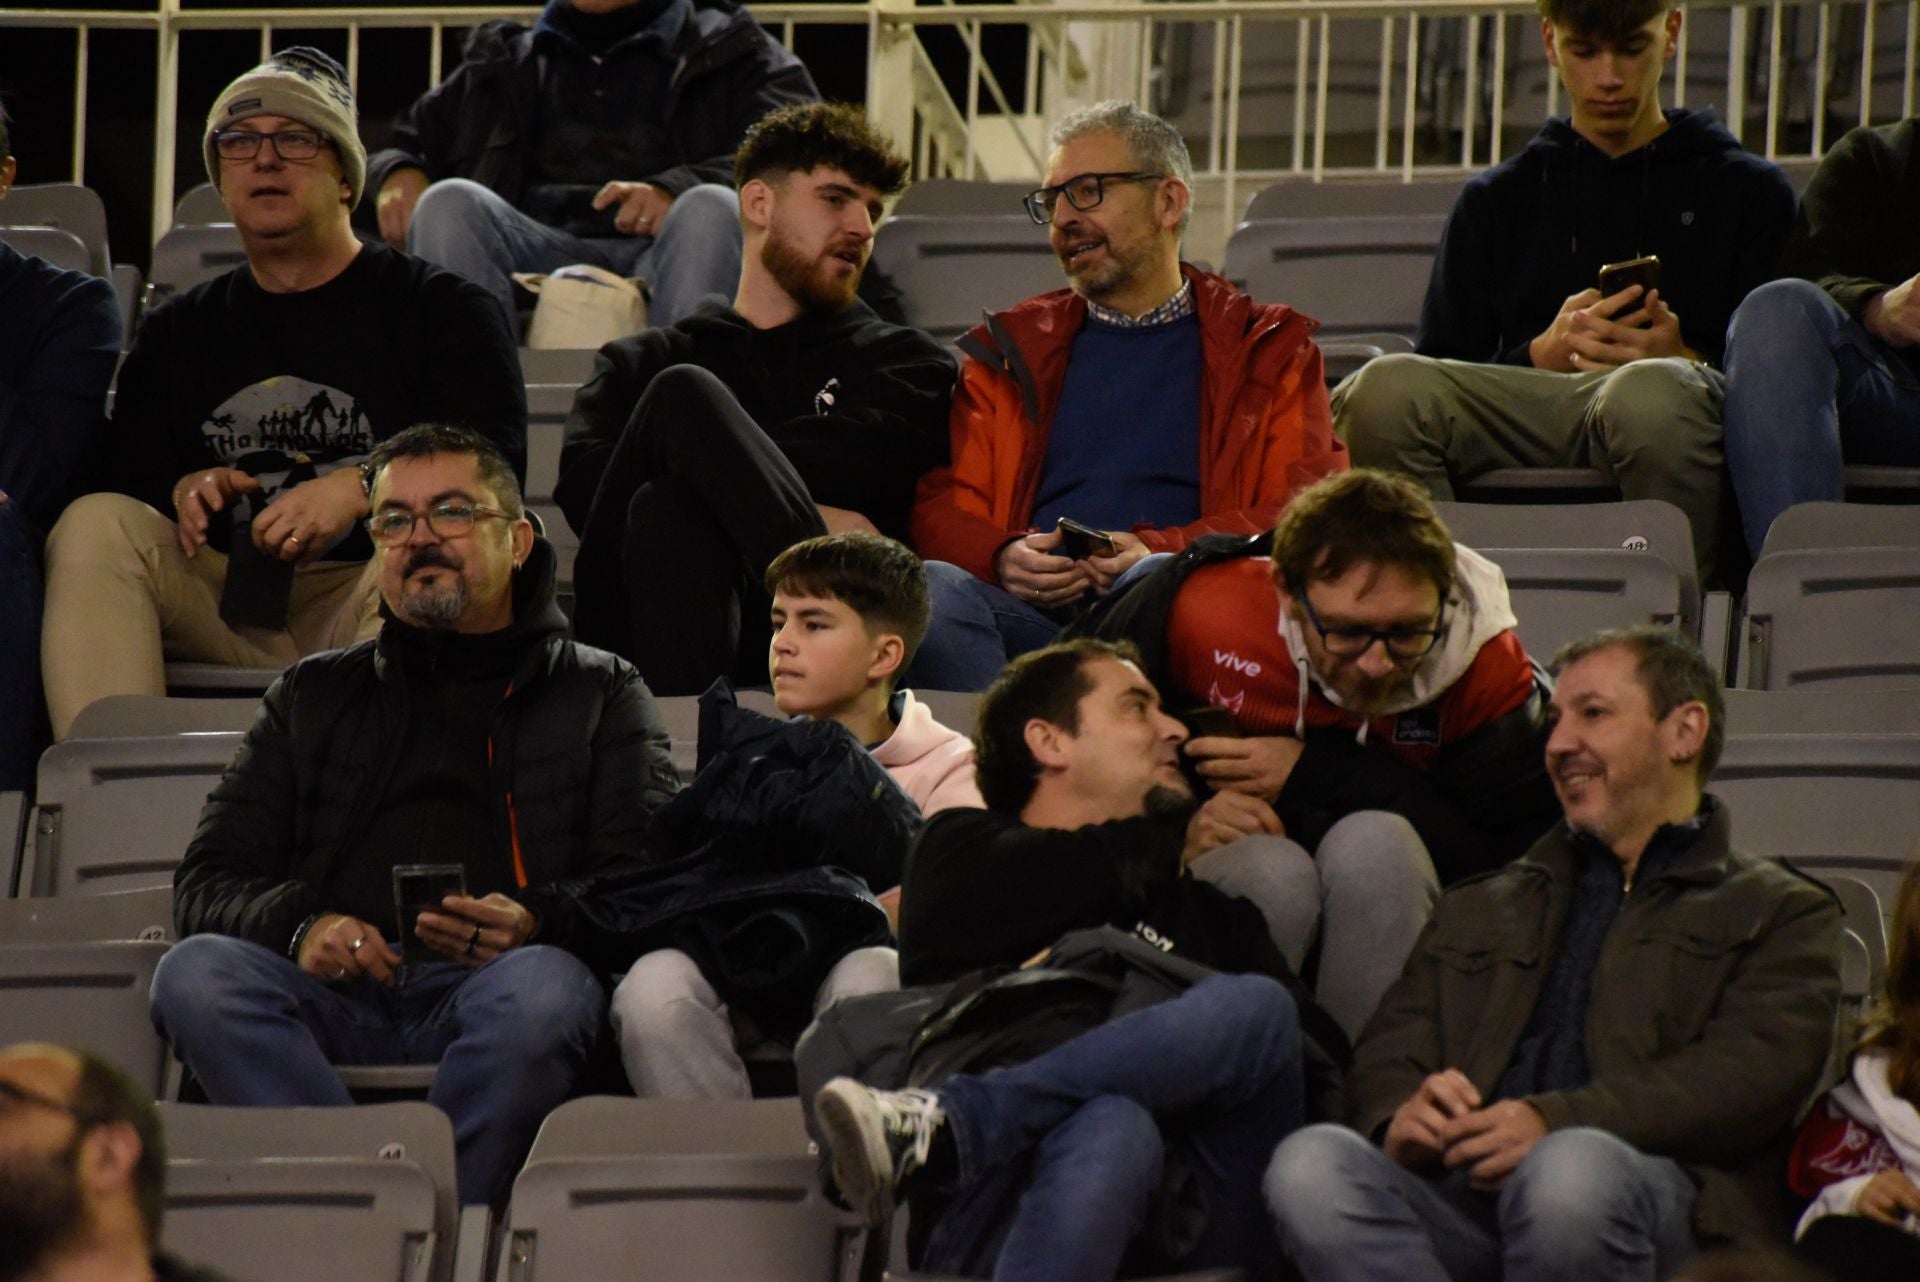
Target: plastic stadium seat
(1562,594)
(1823,710)
(1831,803)
(1840,616)
(218,679)
(69,207)
(144,915)
(1865,918)
(411,1135)
(714,1189)
(303,1221)
(61,248)
(90,996)
(951,270)
(1639,525)
(955,709)
(1354,197)
(13,823)
(1358,275)
(1343,355)
(116,814)
(188,255)
(199,205)
(1813,526)
(950,196)
(132,715)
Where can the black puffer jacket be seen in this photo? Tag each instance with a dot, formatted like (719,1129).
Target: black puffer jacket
(579,762)
(483,121)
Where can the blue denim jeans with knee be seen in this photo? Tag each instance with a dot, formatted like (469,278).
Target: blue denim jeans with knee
(466,228)
(1059,1159)
(20,594)
(510,1037)
(1809,387)
(1583,1206)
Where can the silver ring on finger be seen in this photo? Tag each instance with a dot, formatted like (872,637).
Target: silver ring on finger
(354,947)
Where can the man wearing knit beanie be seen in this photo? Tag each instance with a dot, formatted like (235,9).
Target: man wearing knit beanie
(246,406)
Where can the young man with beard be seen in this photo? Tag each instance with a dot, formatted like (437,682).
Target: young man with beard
(1523,360)
(472,732)
(1358,671)
(83,1170)
(699,452)
(246,405)
(1595,1058)
(1150,401)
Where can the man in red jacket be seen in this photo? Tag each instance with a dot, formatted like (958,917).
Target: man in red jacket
(1149,402)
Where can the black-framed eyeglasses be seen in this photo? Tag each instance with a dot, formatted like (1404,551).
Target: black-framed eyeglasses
(447,520)
(11,1095)
(1351,643)
(288,144)
(1083,192)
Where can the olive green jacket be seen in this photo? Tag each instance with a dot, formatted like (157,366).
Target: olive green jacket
(1712,1013)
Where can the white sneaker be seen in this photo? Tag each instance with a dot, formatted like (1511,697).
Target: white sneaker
(877,1138)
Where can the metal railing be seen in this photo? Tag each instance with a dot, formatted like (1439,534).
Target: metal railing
(1395,88)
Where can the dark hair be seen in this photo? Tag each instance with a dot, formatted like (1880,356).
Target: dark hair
(106,1096)
(1671,669)
(442,438)
(1895,1027)
(874,576)
(1608,20)
(1047,685)
(804,136)
(1361,516)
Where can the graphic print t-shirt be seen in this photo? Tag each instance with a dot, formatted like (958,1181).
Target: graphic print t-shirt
(288,387)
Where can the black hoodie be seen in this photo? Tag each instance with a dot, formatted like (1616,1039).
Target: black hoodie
(858,406)
(1535,229)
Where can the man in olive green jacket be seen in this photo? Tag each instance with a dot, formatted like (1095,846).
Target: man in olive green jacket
(1596,1054)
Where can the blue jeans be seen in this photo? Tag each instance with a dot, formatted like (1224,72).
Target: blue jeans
(1806,384)
(19,645)
(1584,1206)
(1058,1159)
(509,1037)
(976,627)
(466,228)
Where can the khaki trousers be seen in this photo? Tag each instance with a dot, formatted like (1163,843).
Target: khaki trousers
(122,598)
(1654,424)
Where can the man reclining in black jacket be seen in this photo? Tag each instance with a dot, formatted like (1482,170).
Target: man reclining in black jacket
(700,451)
(473,732)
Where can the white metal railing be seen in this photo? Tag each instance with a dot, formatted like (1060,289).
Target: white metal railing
(1329,81)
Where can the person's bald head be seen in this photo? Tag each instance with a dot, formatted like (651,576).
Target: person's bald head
(81,1154)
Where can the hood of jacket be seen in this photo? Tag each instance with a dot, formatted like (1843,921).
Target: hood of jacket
(1478,609)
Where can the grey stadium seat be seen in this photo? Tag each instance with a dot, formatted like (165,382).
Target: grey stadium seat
(199,205)
(188,255)
(61,248)
(116,814)
(145,915)
(1562,594)
(69,207)
(90,996)
(1831,803)
(716,1189)
(120,716)
(1833,617)
(218,680)
(303,1221)
(1810,526)
(410,1134)
(950,270)
(1353,197)
(1822,710)
(1354,275)
(950,196)
(1860,906)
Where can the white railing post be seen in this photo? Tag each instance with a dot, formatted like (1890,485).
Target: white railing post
(1868,35)
(80,103)
(166,99)
(1737,20)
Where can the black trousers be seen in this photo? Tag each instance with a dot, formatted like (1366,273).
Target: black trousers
(695,502)
(1852,1248)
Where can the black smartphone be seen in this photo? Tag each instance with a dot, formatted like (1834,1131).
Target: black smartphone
(1644,272)
(419,888)
(259,586)
(1082,541)
(1207,721)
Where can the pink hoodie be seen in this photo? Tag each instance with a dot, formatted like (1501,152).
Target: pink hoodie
(932,763)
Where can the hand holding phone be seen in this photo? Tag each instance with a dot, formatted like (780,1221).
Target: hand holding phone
(1644,272)
(420,888)
(1083,541)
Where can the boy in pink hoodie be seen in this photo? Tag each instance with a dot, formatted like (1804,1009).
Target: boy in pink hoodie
(849,610)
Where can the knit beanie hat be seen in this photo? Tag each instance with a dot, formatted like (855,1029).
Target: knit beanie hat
(301,84)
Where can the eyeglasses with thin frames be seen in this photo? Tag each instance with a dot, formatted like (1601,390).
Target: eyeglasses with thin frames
(447,520)
(288,144)
(1350,643)
(1083,192)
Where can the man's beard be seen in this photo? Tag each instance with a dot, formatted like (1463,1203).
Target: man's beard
(802,279)
(1371,696)
(433,606)
(1165,801)
(40,1208)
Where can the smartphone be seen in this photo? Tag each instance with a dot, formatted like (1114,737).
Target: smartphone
(419,888)
(1644,272)
(1208,721)
(1082,541)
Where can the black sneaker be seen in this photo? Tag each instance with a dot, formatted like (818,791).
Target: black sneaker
(877,1138)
